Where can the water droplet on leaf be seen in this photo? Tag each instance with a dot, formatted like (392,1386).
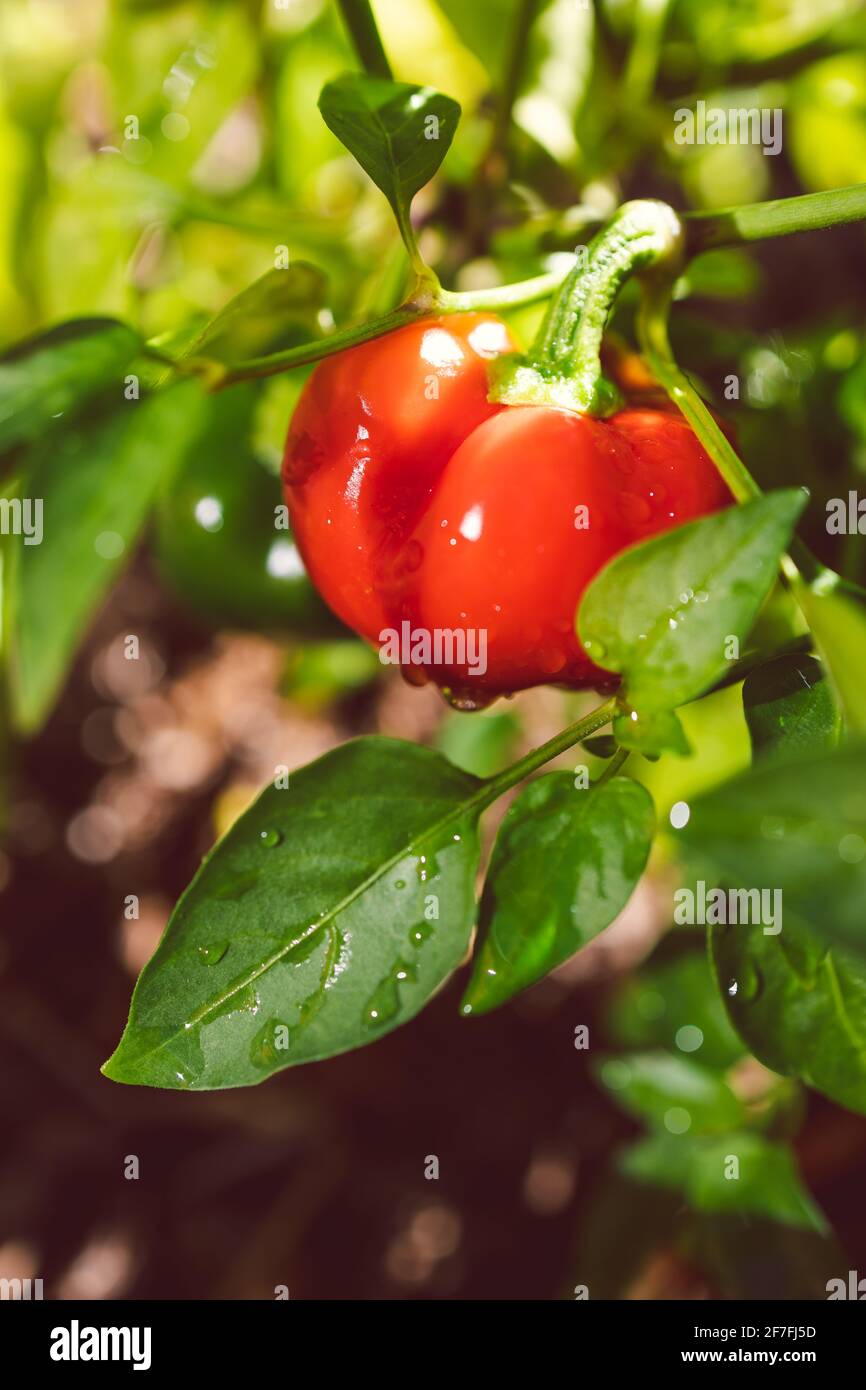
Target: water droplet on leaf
(209,955)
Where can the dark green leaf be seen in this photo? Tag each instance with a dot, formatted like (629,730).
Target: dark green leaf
(796,828)
(564,864)
(266,316)
(789,707)
(58,372)
(326,917)
(667,1091)
(96,485)
(399,133)
(799,1007)
(661,614)
(600,745)
(216,539)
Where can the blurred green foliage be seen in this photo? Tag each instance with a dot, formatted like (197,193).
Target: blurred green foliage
(159,158)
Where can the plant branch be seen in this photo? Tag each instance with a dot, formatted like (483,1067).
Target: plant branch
(613,766)
(809,212)
(502,296)
(643,59)
(360,21)
(441,302)
(319,347)
(517,51)
(560,743)
(655,346)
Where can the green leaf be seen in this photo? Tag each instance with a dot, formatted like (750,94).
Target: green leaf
(266,316)
(484,27)
(800,1008)
(661,613)
(96,485)
(653,1008)
(651,734)
(326,917)
(763,1182)
(564,864)
(600,745)
(799,828)
(789,707)
(215,539)
(838,623)
(667,1090)
(398,132)
(482,744)
(58,372)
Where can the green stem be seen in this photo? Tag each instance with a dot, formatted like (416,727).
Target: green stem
(361,23)
(655,346)
(320,347)
(560,743)
(643,58)
(781,217)
(613,766)
(517,52)
(502,297)
(441,302)
(564,365)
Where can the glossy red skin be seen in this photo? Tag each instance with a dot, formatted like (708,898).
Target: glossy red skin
(457,513)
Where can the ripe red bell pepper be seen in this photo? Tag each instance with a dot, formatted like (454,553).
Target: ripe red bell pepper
(417,500)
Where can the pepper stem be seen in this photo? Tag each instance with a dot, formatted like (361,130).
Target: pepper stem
(563,366)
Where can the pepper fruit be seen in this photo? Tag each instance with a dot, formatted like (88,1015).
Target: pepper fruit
(417,499)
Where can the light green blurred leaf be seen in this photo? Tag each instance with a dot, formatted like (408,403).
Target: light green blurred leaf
(665,1090)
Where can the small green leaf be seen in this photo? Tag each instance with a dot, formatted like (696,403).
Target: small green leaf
(600,745)
(667,1091)
(837,619)
(764,1183)
(651,734)
(58,372)
(399,134)
(564,864)
(326,917)
(276,311)
(800,1008)
(662,613)
(675,1004)
(96,486)
(798,829)
(789,707)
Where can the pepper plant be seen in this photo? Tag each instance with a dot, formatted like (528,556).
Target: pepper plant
(620,544)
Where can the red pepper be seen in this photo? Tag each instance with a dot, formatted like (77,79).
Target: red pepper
(420,506)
